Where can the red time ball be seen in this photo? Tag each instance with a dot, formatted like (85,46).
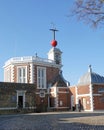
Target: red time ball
(54,43)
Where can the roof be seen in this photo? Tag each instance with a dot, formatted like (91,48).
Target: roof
(91,78)
(59,81)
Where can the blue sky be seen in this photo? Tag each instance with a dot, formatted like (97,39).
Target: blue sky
(24,31)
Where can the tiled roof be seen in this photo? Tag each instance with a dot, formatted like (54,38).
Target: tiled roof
(59,81)
(91,78)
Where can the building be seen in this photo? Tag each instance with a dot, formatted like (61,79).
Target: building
(89,91)
(14,96)
(51,91)
(51,88)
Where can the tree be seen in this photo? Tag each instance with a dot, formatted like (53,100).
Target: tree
(90,11)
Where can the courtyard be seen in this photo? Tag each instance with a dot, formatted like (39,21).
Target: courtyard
(53,121)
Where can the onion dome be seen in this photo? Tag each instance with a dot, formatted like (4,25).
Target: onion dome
(91,78)
(54,43)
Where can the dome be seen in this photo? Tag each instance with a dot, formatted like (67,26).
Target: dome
(91,78)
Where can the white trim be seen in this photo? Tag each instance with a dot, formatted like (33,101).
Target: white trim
(91,98)
(12,108)
(58,107)
(62,92)
(72,101)
(19,67)
(83,95)
(12,73)
(42,78)
(32,59)
(7,74)
(31,73)
(76,92)
(97,94)
(8,108)
(88,110)
(21,93)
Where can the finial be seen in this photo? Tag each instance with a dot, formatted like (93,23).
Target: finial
(54,42)
(90,69)
(53,30)
(36,55)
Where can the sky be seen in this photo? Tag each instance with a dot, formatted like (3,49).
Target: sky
(24,31)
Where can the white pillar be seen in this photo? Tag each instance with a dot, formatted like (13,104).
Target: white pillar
(76,91)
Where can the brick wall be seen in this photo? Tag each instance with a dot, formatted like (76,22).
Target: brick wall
(8,94)
(83,89)
(98,97)
(72,91)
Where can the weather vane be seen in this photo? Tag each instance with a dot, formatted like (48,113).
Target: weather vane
(54,42)
(53,30)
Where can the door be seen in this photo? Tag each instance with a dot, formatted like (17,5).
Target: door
(84,103)
(20,101)
(72,103)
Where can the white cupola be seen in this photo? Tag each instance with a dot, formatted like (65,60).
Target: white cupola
(55,53)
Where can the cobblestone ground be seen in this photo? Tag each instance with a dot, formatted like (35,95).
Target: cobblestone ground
(53,121)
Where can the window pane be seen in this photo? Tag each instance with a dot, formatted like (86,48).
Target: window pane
(38,72)
(42,83)
(41,77)
(39,82)
(23,72)
(42,73)
(22,75)
(19,71)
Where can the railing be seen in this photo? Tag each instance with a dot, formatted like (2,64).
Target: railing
(28,59)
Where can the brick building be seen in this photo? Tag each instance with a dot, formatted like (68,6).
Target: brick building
(89,91)
(51,88)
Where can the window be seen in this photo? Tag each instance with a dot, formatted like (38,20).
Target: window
(101,90)
(22,75)
(57,57)
(41,77)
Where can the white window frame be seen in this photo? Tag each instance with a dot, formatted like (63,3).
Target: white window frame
(21,93)
(41,77)
(22,77)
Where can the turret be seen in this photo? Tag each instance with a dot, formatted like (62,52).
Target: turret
(55,53)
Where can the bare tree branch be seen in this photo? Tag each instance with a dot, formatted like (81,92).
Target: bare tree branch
(90,11)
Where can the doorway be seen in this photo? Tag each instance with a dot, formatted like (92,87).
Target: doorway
(84,103)
(20,101)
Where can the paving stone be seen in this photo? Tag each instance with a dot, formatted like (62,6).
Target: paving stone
(53,121)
